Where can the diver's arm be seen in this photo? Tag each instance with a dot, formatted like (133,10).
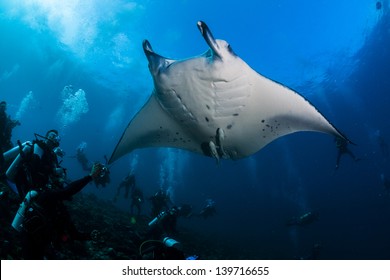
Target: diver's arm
(76,186)
(71,189)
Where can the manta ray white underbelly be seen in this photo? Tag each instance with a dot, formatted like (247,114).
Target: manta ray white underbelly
(216,105)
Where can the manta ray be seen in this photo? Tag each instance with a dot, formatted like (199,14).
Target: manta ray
(216,105)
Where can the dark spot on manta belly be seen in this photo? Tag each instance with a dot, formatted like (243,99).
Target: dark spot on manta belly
(229,126)
(236,114)
(207,119)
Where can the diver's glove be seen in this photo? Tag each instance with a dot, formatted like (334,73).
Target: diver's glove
(97,170)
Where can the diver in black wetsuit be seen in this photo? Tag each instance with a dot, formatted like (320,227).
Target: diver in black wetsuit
(160,244)
(44,214)
(37,165)
(128,183)
(160,202)
(82,158)
(137,198)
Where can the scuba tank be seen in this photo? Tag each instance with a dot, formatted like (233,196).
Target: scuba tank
(158,218)
(38,150)
(24,207)
(13,168)
(174,211)
(172,243)
(166,248)
(12,153)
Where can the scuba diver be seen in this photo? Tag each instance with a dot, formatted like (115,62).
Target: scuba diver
(163,225)
(342,148)
(137,198)
(38,219)
(305,219)
(160,246)
(127,183)
(208,210)
(82,158)
(34,163)
(165,222)
(160,201)
(104,177)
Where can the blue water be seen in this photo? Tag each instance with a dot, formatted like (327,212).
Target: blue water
(334,52)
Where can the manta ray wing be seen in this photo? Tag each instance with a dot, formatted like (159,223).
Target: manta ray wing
(269,111)
(216,105)
(152,127)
